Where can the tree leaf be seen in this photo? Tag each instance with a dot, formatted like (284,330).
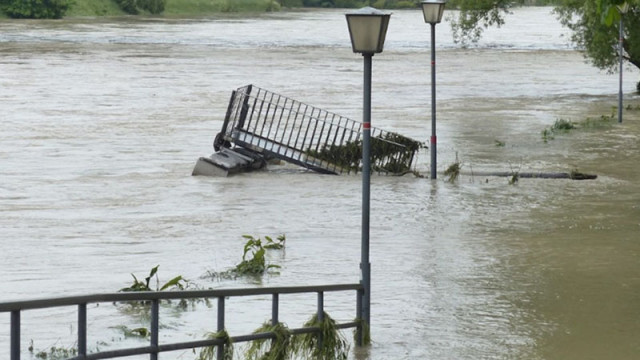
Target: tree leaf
(173,282)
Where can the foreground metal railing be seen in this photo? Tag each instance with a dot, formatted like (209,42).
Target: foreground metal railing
(154,348)
(266,122)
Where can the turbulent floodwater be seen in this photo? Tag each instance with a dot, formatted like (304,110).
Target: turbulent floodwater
(103,120)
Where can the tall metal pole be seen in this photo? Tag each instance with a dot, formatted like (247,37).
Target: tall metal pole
(433,102)
(620,40)
(365,266)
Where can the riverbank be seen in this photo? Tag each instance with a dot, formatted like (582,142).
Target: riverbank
(174,8)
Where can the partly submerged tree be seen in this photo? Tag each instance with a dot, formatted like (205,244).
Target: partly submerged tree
(595,26)
(594,23)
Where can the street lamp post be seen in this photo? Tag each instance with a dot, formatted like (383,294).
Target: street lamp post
(432,11)
(368,29)
(622,9)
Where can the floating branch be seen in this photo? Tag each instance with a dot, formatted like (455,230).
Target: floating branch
(574,175)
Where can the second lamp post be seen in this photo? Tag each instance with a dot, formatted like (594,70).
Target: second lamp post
(368,29)
(432,11)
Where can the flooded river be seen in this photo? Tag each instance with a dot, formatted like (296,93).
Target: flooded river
(103,120)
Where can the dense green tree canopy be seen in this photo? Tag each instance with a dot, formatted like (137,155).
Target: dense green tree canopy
(594,25)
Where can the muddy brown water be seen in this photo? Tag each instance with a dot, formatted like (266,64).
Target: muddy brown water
(103,120)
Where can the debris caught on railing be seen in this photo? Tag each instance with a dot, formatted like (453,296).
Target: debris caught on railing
(262,125)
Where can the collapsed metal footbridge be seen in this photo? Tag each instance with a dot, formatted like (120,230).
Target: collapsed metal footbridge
(260,125)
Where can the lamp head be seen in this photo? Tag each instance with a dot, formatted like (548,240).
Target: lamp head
(432,10)
(368,29)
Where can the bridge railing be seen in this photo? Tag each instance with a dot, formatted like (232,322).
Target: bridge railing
(16,308)
(308,136)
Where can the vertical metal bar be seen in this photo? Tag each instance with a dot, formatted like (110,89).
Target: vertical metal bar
(284,107)
(227,116)
(335,133)
(295,143)
(306,136)
(297,112)
(320,317)
(15,335)
(155,326)
(286,126)
(365,266)
(324,122)
(433,102)
(265,118)
(293,127)
(220,350)
(275,112)
(274,309)
(620,49)
(244,109)
(82,330)
(359,328)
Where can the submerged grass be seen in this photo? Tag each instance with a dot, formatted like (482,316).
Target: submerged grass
(453,171)
(210,352)
(562,126)
(328,345)
(603,122)
(279,348)
(332,347)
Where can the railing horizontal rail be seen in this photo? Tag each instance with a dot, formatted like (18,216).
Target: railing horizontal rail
(154,298)
(167,295)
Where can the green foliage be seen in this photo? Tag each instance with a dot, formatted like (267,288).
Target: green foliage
(475,16)
(53,353)
(366,332)
(94,8)
(304,346)
(35,9)
(141,332)
(390,153)
(135,7)
(291,3)
(560,126)
(453,171)
(395,4)
(177,282)
(604,121)
(319,3)
(209,352)
(547,135)
(253,259)
(279,348)
(594,25)
(515,176)
(500,143)
(334,346)
(254,262)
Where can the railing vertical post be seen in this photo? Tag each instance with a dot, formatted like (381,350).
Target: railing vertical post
(320,317)
(220,350)
(15,335)
(155,326)
(82,330)
(359,328)
(274,309)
